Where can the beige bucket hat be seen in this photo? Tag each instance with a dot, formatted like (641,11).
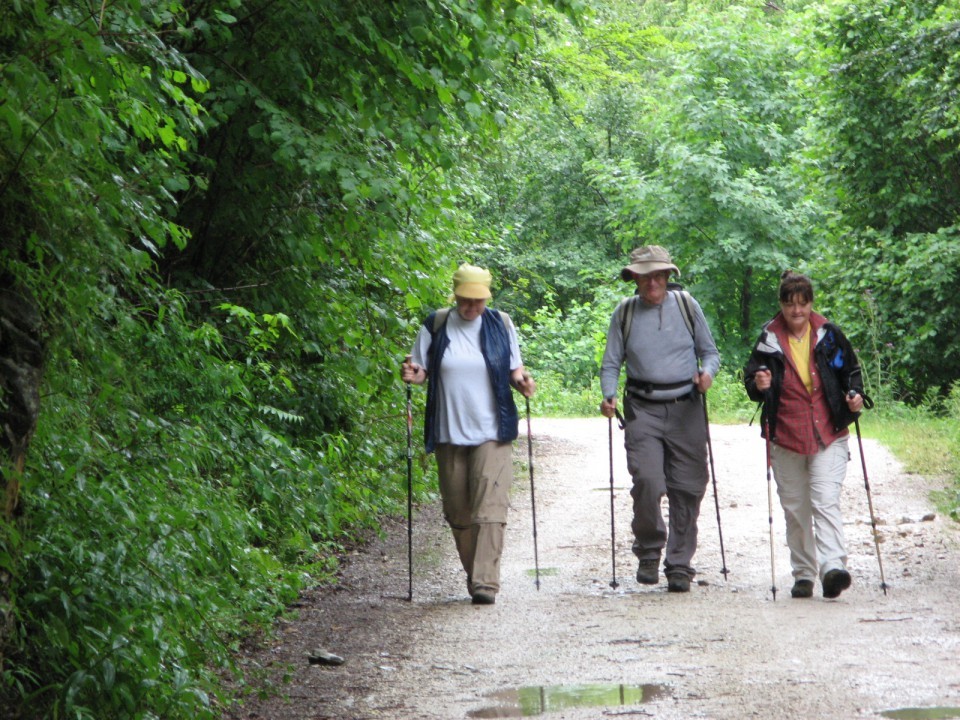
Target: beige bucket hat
(648,259)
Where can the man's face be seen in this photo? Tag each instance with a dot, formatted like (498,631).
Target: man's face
(653,286)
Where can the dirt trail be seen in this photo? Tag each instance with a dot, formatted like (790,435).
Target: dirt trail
(724,650)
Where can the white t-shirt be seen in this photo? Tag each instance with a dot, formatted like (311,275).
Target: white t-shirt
(467,408)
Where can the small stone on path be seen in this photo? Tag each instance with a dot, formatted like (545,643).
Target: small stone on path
(322,657)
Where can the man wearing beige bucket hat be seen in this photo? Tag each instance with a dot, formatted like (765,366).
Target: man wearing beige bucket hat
(469,356)
(671,359)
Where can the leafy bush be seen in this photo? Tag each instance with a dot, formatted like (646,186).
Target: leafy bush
(200,517)
(568,344)
(556,397)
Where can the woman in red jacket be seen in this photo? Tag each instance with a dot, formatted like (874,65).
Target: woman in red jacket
(803,370)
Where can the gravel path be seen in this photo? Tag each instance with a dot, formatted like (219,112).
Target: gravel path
(727,649)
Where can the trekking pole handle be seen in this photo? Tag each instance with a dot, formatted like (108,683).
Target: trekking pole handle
(763,368)
(408,360)
(866,402)
(621,422)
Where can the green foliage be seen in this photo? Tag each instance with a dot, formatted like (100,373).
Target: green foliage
(900,312)
(926,439)
(557,398)
(686,134)
(728,401)
(713,184)
(139,564)
(885,131)
(552,245)
(233,216)
(568,344)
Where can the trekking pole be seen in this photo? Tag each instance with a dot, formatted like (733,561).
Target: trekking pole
(773,566)
(866,484)
(613,543)
(409,490)
(716,499)
(533,502)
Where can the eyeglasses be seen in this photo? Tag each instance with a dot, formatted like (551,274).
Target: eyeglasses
(659,276)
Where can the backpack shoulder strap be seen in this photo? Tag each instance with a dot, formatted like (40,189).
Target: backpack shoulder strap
(507,320)
(626,309)
(439,318)
(683,300)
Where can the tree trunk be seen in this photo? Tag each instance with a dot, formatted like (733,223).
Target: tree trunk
(21,361)
(746,297)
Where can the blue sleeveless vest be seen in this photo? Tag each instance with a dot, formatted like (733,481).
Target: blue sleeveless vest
(495,346)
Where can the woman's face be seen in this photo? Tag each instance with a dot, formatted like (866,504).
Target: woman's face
(796,311)
(469,308)
(653,286)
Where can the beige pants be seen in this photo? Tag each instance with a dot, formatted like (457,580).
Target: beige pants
(475,487)
(809,489)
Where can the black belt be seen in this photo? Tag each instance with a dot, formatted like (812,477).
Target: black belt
(659,401)
(648,387)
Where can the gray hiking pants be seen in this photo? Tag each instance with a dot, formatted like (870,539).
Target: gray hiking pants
(666,447)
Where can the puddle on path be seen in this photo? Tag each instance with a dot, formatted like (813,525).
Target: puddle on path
(533,700)
(544,572)
(928,713)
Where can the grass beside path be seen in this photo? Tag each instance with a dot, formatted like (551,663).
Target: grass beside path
(926,446)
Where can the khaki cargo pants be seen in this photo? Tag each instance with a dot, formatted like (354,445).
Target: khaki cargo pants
(475,487)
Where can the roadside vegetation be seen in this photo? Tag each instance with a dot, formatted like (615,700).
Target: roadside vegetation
(222,222)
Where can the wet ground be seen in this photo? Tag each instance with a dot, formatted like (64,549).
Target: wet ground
(579,648)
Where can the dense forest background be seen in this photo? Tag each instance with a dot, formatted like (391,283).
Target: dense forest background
(222,221)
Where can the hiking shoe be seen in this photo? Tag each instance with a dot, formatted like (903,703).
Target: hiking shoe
(678,582)
(483,597)
(835,582)
(802,589)
(648,572)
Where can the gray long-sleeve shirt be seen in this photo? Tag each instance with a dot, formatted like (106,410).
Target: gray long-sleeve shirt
(661,349)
